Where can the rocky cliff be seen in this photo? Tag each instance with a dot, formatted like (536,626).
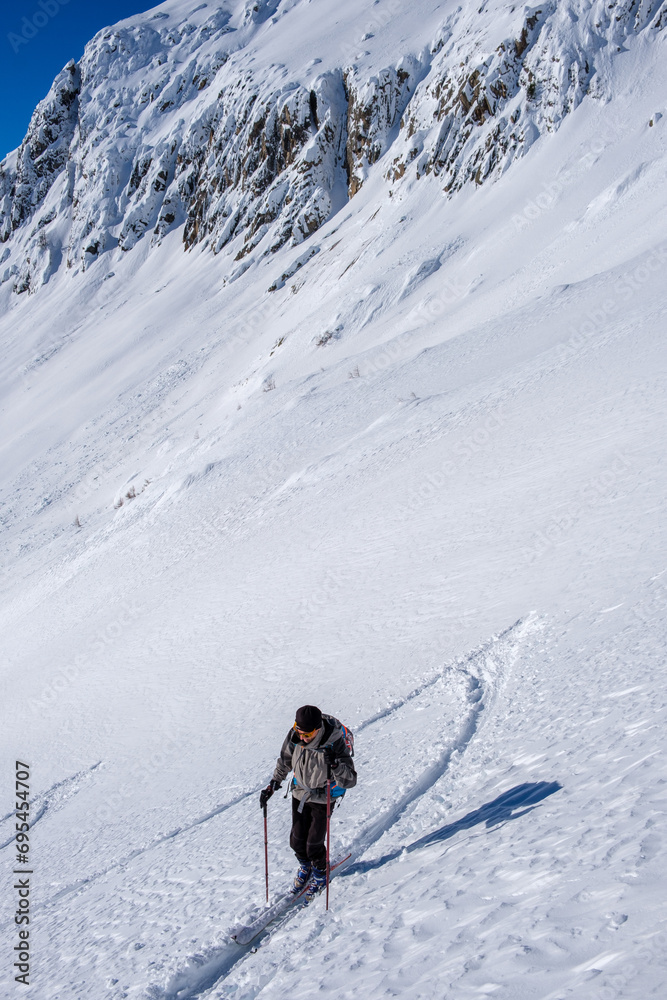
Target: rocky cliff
(169,122)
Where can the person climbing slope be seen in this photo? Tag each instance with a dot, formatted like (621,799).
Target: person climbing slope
(316,746)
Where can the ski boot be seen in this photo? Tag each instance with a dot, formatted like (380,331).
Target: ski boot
(302,876)
(318,881)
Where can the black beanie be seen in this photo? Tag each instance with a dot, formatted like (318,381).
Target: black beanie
(308,717)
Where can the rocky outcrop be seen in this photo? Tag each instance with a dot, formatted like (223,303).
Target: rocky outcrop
(265,166)
(166,125)
(7,189)
(27,177)
(44,152)
(472,116)
(374,111)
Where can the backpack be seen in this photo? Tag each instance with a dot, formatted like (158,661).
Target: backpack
(336,791)
(348,736)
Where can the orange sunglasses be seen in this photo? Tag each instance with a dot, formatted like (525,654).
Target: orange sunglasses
(301,732)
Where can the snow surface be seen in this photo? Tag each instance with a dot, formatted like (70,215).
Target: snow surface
(420,484)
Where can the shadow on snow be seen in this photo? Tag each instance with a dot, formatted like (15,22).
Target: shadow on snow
(205,972)
(523,797)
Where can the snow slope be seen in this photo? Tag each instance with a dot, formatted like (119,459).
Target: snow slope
(420,483)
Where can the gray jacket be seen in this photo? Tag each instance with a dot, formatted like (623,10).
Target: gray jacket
(308,763)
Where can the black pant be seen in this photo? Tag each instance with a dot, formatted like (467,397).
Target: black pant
(309,830)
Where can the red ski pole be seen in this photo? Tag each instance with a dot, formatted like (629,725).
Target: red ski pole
(328,826)
(266,853)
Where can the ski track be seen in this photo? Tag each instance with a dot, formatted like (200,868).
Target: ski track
(162,838)
(206,970)
(437,769)
(81,884)
(52,799)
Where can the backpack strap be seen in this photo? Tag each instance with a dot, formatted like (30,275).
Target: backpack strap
(329,728)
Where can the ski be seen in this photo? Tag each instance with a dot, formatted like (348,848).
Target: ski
(245,933)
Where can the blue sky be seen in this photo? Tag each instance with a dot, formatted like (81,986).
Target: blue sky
(38,37)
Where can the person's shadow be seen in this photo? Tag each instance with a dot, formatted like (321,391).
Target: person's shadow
(523,798)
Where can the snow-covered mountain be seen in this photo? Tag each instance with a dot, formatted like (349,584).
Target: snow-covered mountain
(333,373)
(215,122)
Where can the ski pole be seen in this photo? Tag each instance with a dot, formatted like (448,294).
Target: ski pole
(266,853)
(328,826)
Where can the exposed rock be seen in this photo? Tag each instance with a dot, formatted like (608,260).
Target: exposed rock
(375,109)
(165,125)
(269,164)
(45,150)
(489,110)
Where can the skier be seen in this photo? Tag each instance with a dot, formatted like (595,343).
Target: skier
(314,749)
